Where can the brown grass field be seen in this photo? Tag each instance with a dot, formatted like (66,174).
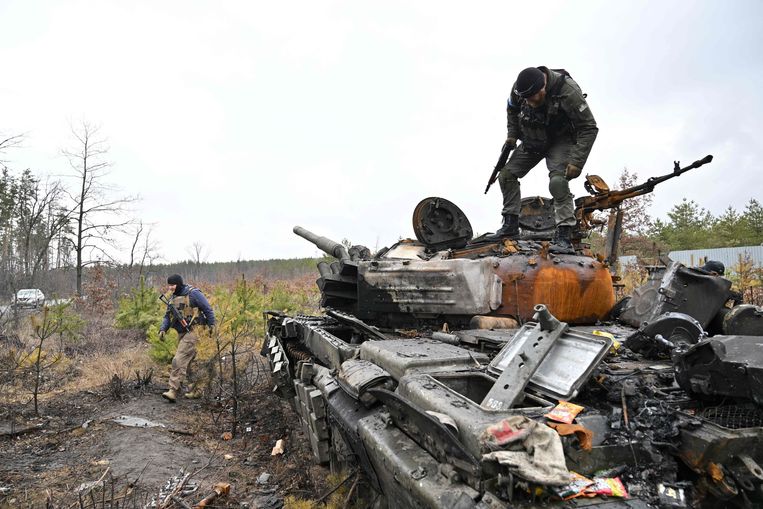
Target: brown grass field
(73,453)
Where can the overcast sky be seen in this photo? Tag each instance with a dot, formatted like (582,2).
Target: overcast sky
(235,121)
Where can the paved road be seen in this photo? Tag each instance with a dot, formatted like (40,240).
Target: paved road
(5,309)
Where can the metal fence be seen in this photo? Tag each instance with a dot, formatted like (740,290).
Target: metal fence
(729,256)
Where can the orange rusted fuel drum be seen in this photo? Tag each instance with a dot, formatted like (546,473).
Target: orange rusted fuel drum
(576,289)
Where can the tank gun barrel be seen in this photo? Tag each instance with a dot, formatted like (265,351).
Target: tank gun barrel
(328,246)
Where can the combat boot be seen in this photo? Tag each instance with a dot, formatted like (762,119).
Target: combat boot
(509,230)
(170,395)
(193,394)
(563,237)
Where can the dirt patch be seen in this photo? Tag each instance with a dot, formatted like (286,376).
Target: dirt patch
(77,441)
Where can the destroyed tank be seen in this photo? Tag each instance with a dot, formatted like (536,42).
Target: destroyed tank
(455,372)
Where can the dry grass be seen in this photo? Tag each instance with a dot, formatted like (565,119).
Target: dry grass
(632,276)
(98,369)
(336,500)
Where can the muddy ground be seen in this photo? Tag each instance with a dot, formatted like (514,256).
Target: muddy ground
(48,461)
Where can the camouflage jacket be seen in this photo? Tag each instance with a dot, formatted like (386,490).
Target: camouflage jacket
(563,116)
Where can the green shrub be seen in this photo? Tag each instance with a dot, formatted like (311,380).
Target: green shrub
(139,310)
(162,351)
(70,324)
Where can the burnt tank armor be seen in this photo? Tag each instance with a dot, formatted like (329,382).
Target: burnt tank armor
(446,276)
(379,387)
(443,277)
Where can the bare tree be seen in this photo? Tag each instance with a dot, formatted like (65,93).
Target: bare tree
(41,219)
(96,213)
(198,252)
(7,142)
(144,249)
(199,255)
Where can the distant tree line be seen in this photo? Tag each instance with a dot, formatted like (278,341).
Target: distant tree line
(690,226)
(215,273)
(117,280)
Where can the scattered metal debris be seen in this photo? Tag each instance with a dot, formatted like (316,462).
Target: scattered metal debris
(221,489)
(179,485)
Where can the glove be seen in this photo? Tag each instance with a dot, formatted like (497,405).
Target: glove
(211,329)
(161,335)
(572,172)
(511,142)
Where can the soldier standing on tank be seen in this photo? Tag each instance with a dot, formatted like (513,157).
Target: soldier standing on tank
(548,112)
(196,311)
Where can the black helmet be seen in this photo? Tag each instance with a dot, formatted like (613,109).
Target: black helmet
(529,82)
(714,266)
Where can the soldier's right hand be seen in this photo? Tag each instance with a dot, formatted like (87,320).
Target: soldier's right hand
(511,142)
(161,335)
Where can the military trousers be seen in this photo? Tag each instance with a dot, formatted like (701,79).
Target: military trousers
(185,353)
(521,162)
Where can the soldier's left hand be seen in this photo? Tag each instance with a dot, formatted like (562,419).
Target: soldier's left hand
(572,172)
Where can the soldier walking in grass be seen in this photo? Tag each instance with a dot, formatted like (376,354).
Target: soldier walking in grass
(195,311)
(548,113)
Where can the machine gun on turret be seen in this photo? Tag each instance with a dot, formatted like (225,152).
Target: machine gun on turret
(537,215)
(602,199)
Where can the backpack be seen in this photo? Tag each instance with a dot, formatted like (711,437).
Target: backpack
(554,92)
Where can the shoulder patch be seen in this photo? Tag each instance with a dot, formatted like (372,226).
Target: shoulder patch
(582,107)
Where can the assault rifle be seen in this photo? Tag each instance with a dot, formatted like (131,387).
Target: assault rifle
(500,164)
(175,313)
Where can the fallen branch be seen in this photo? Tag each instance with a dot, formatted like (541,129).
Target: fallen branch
(20,431)
(169,498)
(182,503)
(625,407)
(181,431)
(90,489)
(352,490)
(332,490)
